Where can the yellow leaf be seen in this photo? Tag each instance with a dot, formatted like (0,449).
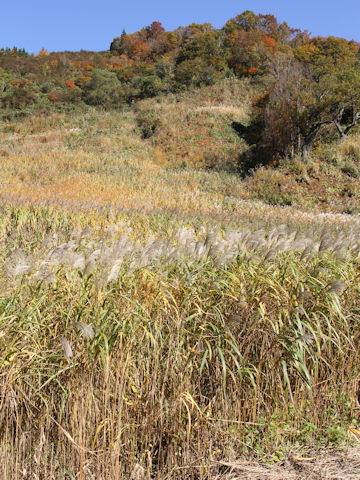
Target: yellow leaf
(356,433)
(262,307)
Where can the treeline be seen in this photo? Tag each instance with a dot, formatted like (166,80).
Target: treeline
(149,62)
(311,86)
(13,52)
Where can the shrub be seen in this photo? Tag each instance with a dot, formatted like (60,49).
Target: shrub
(350,169)
(148,86)
(47,87)
(273,187)
(19,97)
(149,122)
(196,73)
(104,89)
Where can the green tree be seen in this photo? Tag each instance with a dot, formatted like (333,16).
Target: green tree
(196,72)
(146,86)
(104,89)
(207,46)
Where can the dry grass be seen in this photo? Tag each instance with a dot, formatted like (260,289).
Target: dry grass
(203,345)
(157,322)
(325,466)
(196,127)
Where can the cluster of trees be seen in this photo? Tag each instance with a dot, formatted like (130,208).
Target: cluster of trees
(310,85)
(146,63)
(313,91)
(13,52)
(199,54)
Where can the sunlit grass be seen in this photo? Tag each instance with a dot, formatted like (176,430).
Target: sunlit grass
(203,344)
(156,320)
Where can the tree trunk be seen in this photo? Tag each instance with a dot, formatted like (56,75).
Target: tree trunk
(337,122)
(339,129)
(305,151)
(308,142)
(310,138)
(355,119)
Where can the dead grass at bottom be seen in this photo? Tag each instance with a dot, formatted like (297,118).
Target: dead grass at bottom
(329,466)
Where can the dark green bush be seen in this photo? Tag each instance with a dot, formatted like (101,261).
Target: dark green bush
(104,90)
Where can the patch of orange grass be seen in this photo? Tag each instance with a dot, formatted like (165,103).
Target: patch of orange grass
(87,189)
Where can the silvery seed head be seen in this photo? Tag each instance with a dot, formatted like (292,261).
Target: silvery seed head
(306,338)
(336,286)
(86,329)
(68,353)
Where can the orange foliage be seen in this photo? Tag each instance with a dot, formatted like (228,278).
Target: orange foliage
(43,53)
(82,81)
(252,70)
(19,83)
(116,66)
(269,42)
(70,84)
(141,49)
(88,66)
(53,97)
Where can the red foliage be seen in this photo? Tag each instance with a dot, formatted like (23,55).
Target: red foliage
(155,30)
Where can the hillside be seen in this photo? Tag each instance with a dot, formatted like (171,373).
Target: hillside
(191,136)
(304,89)
(185,282)
(179,272)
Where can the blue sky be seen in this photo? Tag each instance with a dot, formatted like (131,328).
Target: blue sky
(91,25)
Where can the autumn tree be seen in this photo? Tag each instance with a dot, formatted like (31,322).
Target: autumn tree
(304,98)
(347,98)
(252,40)
(146,44)
(134,46)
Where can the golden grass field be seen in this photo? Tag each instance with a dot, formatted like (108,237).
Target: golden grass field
(158,321)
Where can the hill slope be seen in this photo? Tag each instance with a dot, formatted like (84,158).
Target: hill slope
(165,311)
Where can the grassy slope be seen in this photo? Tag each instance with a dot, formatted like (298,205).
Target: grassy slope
(193,140)
(328,181)
(206,347)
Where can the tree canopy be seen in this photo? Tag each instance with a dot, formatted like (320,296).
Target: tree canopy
(310,85)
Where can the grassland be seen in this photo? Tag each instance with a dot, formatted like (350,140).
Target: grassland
(157,318)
